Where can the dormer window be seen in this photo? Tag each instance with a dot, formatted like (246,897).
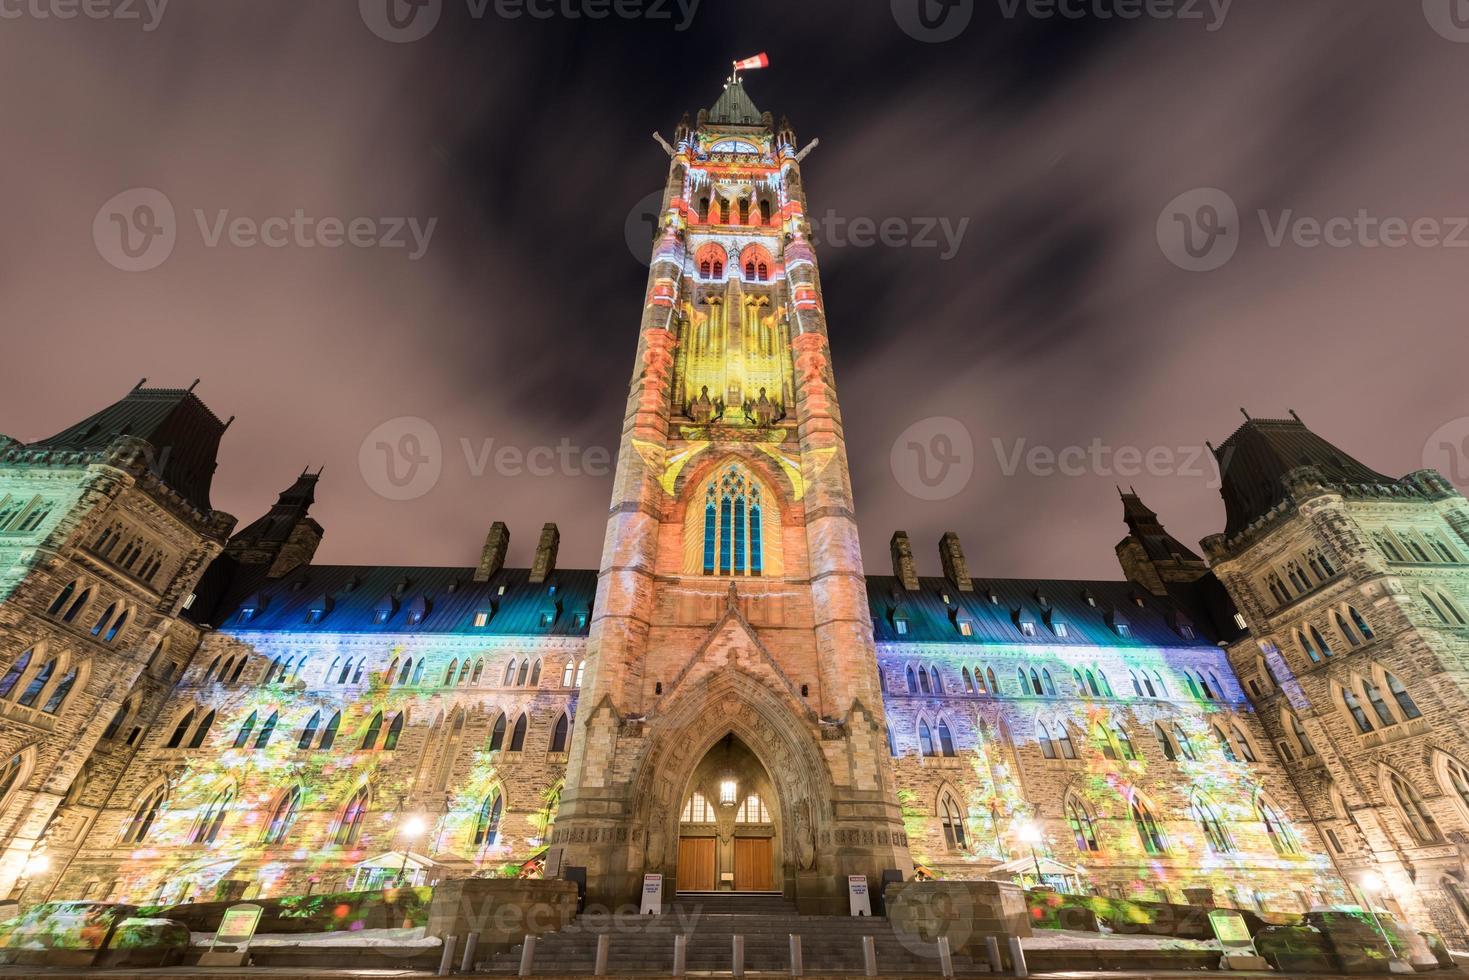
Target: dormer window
(1119,623)
(1239,621)
(247,613)
(994,599)
(1186,631)
(481,619)
(547,618)
(945,597)
(581,620)
(1027,628)
(1056,623)
(1059,629)
(384,610)
(501,591)
(900,626)
(966,628)
(318,609)
(417,610)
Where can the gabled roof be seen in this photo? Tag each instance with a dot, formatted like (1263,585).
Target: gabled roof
(733,107)
(1253,460)
(450,600)
(1042,601)
(183,432)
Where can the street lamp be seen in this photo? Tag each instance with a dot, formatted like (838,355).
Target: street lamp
(1372,885)
(412,827)
(1029,833)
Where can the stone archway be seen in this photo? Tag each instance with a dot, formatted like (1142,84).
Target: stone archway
(729,835)
(776,736)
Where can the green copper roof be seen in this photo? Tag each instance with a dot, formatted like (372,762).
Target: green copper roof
(734,107)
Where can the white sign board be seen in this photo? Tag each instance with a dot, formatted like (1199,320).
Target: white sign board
(857,896)
(652,895)
(552,867)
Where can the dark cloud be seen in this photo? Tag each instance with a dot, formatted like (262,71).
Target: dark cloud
(1058,321)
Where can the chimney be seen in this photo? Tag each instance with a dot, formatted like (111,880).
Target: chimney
(904,569)
(951,553)
(545,562)
(492,558)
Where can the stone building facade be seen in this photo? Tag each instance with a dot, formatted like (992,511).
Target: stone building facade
(731,700)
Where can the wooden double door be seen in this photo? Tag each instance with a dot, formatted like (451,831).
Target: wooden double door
(698,864)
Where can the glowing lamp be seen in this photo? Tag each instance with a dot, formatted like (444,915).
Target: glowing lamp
(1028,833)
(1371,883)
(36,864)
(413,826)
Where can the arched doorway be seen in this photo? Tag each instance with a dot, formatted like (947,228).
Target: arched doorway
(728,836)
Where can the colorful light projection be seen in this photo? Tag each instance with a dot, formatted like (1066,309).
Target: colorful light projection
(1216,825)
(223,818)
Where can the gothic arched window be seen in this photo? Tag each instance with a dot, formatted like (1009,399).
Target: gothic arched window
(1147,827)
(369,739)
(1276,828)
(487,824)
(1419,821)
(952,818)
(206,828)
(309,732)
(350,824)
(733,536)
(1216,835)
(144,816)
(517,735)
(559,734)
(1083,825)
(283,816)
(330,735)
(497,734)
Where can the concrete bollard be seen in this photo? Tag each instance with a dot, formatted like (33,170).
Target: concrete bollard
(446,961)
(471,946)
(604,942)
(992,950)
(869,956)
(946,957)
(528,956)
(737,944)
(1017,957)
(680,954)
(797,966)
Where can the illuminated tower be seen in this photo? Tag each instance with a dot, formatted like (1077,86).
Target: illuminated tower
(1354,587)
(731,652)
(105,529)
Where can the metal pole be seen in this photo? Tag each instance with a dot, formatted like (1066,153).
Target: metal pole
(471,946)
(528,956)
(738,949)
(604,942)
(869,956)
(680,953)
(446,961)
(992,949)
(797,967)
(1017,958)
(1036,858)
(946,957)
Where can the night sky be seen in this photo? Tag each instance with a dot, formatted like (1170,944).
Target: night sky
(1057,321)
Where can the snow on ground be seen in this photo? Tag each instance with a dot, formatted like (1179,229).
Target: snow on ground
(362,937)
(1074,939)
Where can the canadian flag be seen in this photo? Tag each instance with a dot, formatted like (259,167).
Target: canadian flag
(761,60)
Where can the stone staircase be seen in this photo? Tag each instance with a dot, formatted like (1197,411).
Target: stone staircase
(644,944)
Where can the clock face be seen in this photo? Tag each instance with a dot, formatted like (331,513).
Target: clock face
(734,146)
